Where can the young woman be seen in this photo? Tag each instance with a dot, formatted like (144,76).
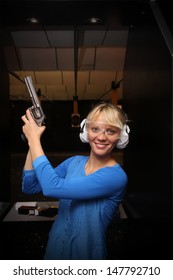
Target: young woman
(89,188)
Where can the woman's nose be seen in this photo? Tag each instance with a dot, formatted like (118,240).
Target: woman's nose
(102,135)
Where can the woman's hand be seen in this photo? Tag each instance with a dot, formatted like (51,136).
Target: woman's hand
(31,130)
(33,134)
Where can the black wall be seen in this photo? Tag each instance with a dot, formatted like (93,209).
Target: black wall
(4,131)
(147,101)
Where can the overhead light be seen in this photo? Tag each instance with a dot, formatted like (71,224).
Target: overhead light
(94,20)
(32,20)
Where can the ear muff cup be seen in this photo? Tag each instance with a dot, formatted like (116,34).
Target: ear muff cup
(83,132)
(124,137)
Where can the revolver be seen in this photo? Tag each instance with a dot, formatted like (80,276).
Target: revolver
(36,109)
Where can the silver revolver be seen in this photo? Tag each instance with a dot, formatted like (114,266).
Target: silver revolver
(36,109)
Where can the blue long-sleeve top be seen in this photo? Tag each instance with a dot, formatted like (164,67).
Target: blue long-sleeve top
(87,204)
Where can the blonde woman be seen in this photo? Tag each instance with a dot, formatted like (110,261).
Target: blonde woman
(89,188)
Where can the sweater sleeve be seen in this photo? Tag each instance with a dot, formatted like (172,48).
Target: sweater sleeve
(30,182)
(106,182)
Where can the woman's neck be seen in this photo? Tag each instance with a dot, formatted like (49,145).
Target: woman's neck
(96,162)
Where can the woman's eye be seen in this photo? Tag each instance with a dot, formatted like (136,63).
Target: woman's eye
(110,132)
(95,129)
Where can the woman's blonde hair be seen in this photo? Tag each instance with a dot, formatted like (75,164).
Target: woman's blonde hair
(112,114)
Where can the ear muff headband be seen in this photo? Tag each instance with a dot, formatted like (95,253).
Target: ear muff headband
(122,142)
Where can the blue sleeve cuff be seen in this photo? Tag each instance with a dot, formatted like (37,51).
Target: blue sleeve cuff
(28,172)
(39,160)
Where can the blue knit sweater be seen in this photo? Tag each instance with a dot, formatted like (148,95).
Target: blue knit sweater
(87,204)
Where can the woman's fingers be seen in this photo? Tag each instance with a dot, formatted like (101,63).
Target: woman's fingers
(24,119)
(30,128)
(29,116)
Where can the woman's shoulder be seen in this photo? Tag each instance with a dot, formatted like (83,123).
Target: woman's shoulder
(76,158)
(118,168)
(115,171)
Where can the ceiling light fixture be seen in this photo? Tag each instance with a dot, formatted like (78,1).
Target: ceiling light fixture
(32,20)
(94,20)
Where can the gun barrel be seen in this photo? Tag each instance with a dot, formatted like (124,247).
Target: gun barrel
(31,90)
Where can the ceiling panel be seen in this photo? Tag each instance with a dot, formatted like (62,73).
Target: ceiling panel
(117,38)
(37,59)
(49,78)
(56,92)
(19,92)
(65,58)
(31,39)
(110,59)
(93,38)
(94,91)
(86,58)
(102,77)
(14,81)
(61,38)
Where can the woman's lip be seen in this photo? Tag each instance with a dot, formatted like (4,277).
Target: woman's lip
(101,146)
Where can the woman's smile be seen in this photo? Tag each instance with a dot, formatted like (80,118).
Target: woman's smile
(101,145)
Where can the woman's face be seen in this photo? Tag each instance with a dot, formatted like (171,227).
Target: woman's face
(102,137)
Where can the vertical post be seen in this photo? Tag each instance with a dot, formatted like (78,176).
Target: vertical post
(114,94)
(75,117)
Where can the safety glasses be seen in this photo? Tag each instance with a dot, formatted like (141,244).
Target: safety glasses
(98,128)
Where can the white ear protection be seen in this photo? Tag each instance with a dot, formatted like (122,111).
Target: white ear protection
(124,137)
(83,132)
(122,142)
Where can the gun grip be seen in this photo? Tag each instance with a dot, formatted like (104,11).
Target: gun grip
(24,138)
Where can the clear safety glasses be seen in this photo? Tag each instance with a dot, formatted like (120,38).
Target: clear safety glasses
(98,128)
